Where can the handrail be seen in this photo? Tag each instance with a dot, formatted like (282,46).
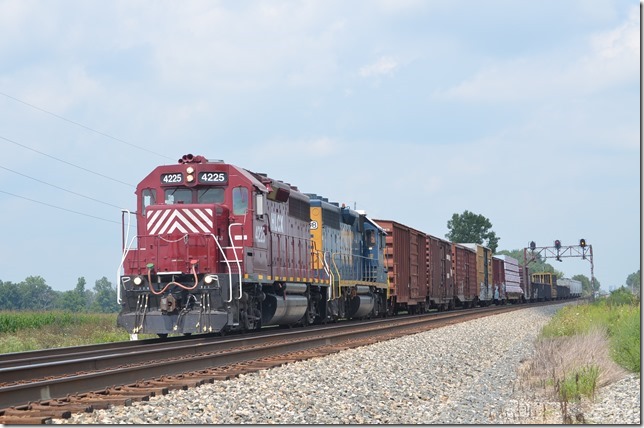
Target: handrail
(126,250)
(232,242)
(230,273)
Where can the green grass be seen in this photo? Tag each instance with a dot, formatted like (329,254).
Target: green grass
(27,331)
(620,317)
(581,382)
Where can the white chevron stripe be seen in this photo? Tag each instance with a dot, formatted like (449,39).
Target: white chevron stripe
(164,214)
(206,215)
(196,221)
(185,220)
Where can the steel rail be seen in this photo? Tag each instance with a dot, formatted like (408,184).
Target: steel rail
(126,367)
(190,358)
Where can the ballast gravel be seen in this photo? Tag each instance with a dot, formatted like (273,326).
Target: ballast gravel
(460,374)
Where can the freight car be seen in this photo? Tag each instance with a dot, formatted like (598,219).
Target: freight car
(507,277)
(406,264)
(574,286)
(466,291)
(545,284)
(439,276)
(484,274)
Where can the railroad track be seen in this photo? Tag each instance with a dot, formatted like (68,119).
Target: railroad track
(40,385)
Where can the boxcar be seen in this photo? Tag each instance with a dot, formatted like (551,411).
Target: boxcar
(498,275)
(512,281)
(441,280)
(526,284)
(484,275)
(406,264)
(464,269)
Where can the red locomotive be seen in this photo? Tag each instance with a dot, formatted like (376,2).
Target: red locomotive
(221,248)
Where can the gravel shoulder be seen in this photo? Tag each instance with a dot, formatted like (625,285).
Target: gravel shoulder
(460,374)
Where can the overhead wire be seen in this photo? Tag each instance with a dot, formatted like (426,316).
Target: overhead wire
(69,163)
(84,126)
(61,188)
(65,162)
(60,208)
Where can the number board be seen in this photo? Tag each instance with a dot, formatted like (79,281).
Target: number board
(213,177)
(172,178)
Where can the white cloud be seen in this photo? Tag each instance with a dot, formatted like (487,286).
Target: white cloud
(610,58)
(623,41)
(382,67)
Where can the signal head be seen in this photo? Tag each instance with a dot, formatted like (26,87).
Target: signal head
(532,245)
(557,244)
(582,243)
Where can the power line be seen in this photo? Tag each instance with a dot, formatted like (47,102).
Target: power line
(60,188)
(65,162)
(84,126)
(60,208)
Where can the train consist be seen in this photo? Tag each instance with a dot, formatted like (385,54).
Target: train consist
(220,248)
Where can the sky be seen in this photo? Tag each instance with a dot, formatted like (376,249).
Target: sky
(527,113)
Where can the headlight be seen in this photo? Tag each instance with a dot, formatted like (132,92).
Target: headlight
(138,280)
(208,279)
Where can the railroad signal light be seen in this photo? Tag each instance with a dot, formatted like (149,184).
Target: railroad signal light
(557,244)
(532,245)
(582,243)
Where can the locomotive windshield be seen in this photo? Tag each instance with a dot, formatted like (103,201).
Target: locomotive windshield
(178,195)
(210,195)
(204,195)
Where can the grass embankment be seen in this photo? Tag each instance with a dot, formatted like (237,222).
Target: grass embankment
(588,346)
(27,331)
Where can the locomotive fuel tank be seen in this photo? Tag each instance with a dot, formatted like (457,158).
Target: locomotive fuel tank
(287,306)
(361,303)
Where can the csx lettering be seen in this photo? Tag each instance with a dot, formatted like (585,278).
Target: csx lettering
(277,223)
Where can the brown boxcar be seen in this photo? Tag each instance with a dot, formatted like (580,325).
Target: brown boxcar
(498,275)
(406,263)
(484,277)
(440,278)
(466,289)
(526,284)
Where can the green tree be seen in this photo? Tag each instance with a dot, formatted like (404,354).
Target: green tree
(35,294)
(472,228)
(586,289)
(75,300)
(105,297)
(633,282)
(10,298)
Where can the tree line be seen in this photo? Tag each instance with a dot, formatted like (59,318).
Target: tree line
(34,294)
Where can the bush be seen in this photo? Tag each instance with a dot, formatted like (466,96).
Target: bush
(582,382)
(625,339)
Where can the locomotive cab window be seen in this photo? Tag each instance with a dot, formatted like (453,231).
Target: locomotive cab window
(210,195)
(178,195)
(148,197)
(240,200)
